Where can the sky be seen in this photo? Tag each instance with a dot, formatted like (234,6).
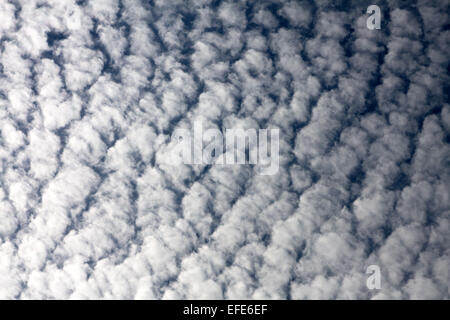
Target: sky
(93,204)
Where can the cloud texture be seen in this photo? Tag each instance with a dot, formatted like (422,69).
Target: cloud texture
(92,206)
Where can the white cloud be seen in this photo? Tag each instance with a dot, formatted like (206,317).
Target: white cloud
(94,205)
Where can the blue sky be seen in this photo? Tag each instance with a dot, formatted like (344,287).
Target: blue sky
(93,204)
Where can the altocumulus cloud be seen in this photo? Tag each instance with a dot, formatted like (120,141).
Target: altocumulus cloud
(93,206)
